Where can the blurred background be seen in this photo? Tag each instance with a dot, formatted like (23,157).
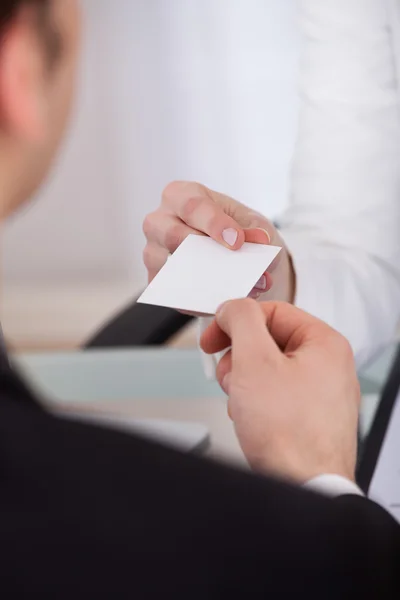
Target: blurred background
(200,90)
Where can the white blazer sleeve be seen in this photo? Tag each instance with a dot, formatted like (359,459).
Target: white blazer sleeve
(343,222)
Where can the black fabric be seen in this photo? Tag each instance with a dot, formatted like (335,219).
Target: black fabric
(373,445)
(89,513)
(4,364)
(139,325)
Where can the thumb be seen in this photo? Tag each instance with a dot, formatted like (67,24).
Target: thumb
(291,327)
(258,229)
(261,332)
(244,322)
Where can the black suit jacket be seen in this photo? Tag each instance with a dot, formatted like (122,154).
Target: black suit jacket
(90,513)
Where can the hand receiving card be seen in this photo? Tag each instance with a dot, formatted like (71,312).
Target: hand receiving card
(201,275)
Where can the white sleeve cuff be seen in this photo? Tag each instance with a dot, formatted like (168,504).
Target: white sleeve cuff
(333,486)
(210,361)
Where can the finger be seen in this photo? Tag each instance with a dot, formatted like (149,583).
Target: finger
(213,339)
(291,327)
(248,218)
(257,236)
(244,322)
(180,191)
(166,231)
(263,285)
(204,215)
(260,229)
(223,371)
(154,258)
(254,294)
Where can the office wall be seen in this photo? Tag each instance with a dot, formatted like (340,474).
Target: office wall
(169,89)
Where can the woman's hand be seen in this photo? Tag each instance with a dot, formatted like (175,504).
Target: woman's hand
(190,208)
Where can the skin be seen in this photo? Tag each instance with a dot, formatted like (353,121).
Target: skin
(35,100)
(293,391)
(191,208)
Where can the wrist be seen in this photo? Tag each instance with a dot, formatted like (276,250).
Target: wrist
(307,475)
(299,471)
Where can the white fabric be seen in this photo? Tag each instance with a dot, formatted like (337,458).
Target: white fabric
(333,486)
(342,225)
(343,222)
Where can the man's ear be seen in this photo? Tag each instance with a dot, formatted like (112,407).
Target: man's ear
(22,80)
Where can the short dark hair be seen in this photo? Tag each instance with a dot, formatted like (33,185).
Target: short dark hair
(9,10)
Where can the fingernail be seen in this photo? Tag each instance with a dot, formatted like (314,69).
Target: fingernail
(230,236)
(261,283)
(254,294)
(266,234)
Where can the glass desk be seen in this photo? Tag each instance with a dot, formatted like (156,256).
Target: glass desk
(120,387)
(164,384)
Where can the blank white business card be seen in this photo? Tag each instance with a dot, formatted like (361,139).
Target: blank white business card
(202,274)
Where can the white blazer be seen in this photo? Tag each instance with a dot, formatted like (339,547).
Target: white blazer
(343,222)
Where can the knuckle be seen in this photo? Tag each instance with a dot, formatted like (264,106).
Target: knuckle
(248,304)
(325,337)
(148,224)
(279,305)
(173,237)
(244,305)
(345,348)
(154,257)
(217,222)
(172,189)
(249,218)
(190,206)
(334,336)
(148,256)
(339,344)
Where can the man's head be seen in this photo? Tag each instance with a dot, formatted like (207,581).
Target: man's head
(39,42)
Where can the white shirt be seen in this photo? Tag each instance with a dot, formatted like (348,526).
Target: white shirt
(342,226)
(343,223)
